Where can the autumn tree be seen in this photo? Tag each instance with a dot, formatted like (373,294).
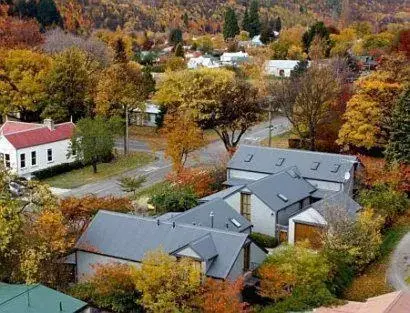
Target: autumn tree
(183,136)
(92,141)
(275,284)
(222,296)
(307,100)
(22,81)
(167,285)
(199,179)
(215,99)
(131,184)
(398,148)
(231,28)
(110,287)
(70,83)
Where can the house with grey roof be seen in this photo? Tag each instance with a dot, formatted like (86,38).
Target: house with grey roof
(268,203)
(306,224)
(124,238)
(328,172)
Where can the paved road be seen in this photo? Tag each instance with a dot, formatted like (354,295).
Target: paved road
(399,268)
(157,170)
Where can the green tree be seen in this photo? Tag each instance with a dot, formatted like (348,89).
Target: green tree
(69,86)
(245,21)
(231,28)
(47,13)
(93,141)
(173,199)
(179,51)
(398,147)
(131,184)
(254,22)
(175,37)
(317,30)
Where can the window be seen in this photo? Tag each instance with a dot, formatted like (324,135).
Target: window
(335,168)
(248,157)
(246,258)
(314,166)
(280,161)
(7,160)
(282,197)
(22,160)
(74,152)
(49,155)
(33,158)
(246,205)
(281,73)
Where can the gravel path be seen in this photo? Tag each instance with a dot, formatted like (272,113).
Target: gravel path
(399,268)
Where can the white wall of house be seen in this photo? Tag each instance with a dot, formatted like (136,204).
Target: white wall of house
(85,260)
(257,256)
(245,174)
(310,215)
(7,148)
(348,186)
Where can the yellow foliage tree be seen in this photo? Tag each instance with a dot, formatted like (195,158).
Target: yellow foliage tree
(167,285)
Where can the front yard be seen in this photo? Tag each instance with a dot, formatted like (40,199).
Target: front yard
(85,175)
(278,141)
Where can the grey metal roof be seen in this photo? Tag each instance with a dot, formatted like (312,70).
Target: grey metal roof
(205,247)
(167,216)
(330,167)
(222,194)
(322,193)
(282,189)
(337,201)
(223,215)
(237,181)
(129,237)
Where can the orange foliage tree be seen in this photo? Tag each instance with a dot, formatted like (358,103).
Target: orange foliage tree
(222,297)
(16,33)
(199,179)
(74,17)
(183,136)
(275,284)
(375,171)
(80,211)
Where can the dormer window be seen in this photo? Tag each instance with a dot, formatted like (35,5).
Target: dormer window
(280,161)
(282,197)
(314,166)
(335,168)
(248,157)
(235,222)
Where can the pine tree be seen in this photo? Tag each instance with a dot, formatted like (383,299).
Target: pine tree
(47,13)
(120,55)
(231,28)
(278,25)
(254,22)
(175,36)
(245,21)
(398,148)
(179,51)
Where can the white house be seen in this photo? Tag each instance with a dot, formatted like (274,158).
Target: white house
(124,238)
(233,58)
(26,147)
(203,61)
(280,68)
(147,116)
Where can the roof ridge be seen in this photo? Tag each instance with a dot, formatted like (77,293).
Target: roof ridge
(25,130)
(281,172)
(216,230)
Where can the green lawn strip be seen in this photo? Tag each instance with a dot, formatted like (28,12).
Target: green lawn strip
(278,141)
(79,177)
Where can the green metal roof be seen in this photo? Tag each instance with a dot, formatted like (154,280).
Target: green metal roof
(36,299)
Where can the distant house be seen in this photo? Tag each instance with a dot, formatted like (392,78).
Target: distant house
(147,116)
(309,223)
(115,237)
(280,68)
(328,172)
(203,61)
(234,58)
(26,147)
(38,299)
(269,202)
(256,41)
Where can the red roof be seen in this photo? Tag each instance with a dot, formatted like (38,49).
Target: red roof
(21,135)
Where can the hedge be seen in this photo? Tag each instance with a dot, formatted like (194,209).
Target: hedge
(263,240)
(57,169)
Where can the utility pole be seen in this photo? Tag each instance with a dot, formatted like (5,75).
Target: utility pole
(270,124)
(126,131)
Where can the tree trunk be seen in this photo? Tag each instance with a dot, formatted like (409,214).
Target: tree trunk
(94,167)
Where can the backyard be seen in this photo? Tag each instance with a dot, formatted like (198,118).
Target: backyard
(85,175)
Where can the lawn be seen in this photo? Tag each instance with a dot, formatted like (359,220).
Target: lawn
(148,191)
(85,175)
(278,141)
(156,140)
(373,281)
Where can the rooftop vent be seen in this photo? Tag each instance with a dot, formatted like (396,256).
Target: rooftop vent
(280,161)
(248,157)
(293,174)
(335,168)
(235,222)
(314,166)
(282,197)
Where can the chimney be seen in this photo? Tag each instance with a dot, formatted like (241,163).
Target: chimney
(211,215)
(49,123)
(173,224)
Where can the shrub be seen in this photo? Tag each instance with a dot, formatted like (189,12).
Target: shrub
(172,198)
(57,169)
(263,240)
(197,179)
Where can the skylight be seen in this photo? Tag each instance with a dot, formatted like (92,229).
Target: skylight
(282,197)
(335,168)
(235,222)
(248,157)
(280,161)
(293,174)
(314,166)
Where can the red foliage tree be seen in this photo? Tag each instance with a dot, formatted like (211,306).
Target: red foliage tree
(199,179)
(404,42)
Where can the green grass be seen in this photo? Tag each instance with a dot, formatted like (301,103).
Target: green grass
(148,191)
(278,141)
(120,165)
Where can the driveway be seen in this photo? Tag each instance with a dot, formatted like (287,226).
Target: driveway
(157,170)
(400,264)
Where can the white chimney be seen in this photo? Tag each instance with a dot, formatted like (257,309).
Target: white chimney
(49,123)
